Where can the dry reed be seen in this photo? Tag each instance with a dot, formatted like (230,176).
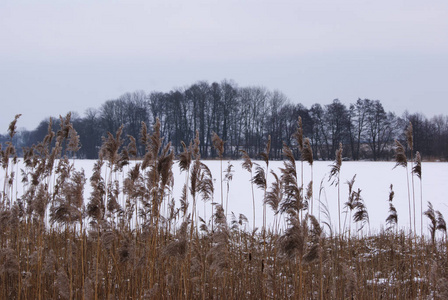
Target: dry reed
(131,240)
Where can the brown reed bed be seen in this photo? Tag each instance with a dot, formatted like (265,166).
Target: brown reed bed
(130,240)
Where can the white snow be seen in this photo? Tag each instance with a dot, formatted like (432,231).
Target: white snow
(373,178)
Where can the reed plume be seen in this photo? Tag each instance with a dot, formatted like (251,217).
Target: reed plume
(132,146)
(417,170)
(298,135)
(73,141)
(110,149)
(307,152)
(12,128)
(152,143)
(40,203)
(351,202)
(218,144)
(201,180)
(308,196)
(361,214)
(401,160)
(441,224)
(433,222)
(247,165)
(195,178)
(228,178)
(410,136)
(336,166)
(5,156)
(144,134)
(260,177)
(65,125)
(155,140)
(184,201)
(274,197)
(185,158)
(392,218)
(68,204)
(410,142)
(237,223)
(262,182)
(247,162)
(335,175)
(400,155)
(96,206)
(265,155)
(293,200)
(205,186)
(307,155)
(159,160)
(133,188)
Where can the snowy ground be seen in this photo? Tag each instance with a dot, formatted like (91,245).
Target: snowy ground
(373,178)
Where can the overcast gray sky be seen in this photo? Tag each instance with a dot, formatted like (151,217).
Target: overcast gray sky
(59,56)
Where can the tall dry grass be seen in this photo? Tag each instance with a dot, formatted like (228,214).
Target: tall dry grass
(131,240)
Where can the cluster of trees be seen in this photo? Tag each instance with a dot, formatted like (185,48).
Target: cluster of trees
(244,117)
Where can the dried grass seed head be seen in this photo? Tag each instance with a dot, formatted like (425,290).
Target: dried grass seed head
(196,143)
(392,218)
(50,133)
(400,155)
(218,144)
(336,166)
(410,136)
(307,152)
(144,134)
(205,186)
(288,156)
(298,135)
(265,155)
(275,195)
(259,178)
(12,126)
(247,162)
(417,169)
(441,224)
(73,140)
(132,146)
(185,157)
(111,145)
(155,140)
(391,193)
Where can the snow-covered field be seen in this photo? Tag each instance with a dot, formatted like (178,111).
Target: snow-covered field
(373,178)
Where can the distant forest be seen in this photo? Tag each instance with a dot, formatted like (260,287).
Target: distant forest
(244,117)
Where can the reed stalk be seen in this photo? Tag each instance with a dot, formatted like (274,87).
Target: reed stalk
(56,246)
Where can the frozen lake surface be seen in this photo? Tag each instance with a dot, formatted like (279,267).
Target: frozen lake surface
(373,178)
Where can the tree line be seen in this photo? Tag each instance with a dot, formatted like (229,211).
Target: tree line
(244,117)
